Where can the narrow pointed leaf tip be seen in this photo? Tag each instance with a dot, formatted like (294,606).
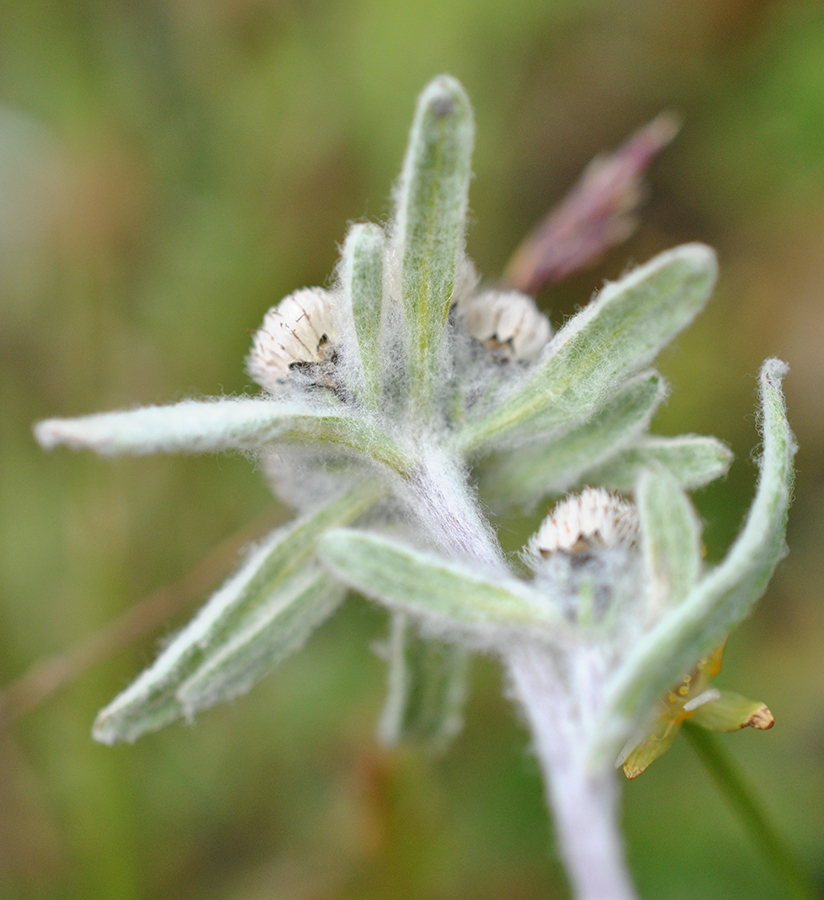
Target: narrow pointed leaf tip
(723,597)
(598,213)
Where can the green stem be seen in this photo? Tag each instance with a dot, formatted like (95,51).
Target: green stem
(741,797)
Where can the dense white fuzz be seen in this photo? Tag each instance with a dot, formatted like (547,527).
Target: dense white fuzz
(299,332)
(508,323)
(593,518)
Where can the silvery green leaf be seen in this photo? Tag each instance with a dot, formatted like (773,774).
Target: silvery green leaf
(362,277)
(432,197)
(426,689)
(209,426)
(721,599)
(694,460)
(428,587)
(254,591)
(671,537)
(620,332)
(526,475)
(267,635)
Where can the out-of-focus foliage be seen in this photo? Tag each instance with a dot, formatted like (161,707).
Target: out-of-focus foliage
(170,168)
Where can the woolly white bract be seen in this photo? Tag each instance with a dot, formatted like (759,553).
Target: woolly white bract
(380,395)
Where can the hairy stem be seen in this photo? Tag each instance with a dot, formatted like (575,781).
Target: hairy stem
(585,802)
(448,510)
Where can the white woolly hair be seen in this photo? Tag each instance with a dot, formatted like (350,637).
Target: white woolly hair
(594,518)
(306,478)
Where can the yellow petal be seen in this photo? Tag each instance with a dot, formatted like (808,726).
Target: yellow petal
(653,746)
(732,711)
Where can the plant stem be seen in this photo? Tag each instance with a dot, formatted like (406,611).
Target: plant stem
(742,799)
(585,802)
(449,511)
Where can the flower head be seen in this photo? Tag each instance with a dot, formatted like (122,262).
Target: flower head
(593,518)
(507,323)
(298,335)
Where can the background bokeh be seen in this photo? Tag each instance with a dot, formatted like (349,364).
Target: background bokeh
(169,169)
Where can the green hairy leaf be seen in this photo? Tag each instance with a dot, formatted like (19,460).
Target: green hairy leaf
(724,597)
(432,199)
(429,587)
(622,330)
(672,536)
(273,590)
(226,423)
(277,629)
(526,475)
(427,686)
(362,276)
(694,460)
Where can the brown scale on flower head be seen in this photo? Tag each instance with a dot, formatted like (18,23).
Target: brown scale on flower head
(593,518)
(297,336)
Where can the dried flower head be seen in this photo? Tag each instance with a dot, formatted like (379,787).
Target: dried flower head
(508,323)
(595,517)
(297,334)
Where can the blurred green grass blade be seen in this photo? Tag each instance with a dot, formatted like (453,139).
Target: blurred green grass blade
(622,330)
(430,222)
(525,476)
(671,537)
(694,460)
(429,587)
(741,796)
(724,597)
(151,701)
(426,688)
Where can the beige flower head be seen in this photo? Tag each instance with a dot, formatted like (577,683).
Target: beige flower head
(296,335)
(593,518)
(508,323)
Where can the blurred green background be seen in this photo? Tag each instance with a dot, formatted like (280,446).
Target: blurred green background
(168,170)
